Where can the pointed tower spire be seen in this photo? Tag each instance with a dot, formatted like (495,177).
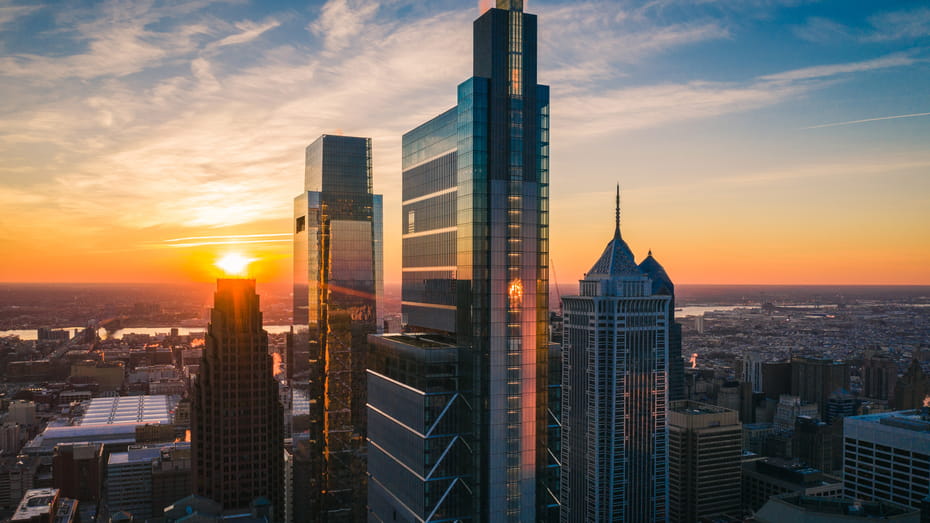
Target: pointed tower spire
(617,230)
(617,259)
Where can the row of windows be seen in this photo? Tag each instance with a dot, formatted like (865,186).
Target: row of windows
(339,164)
(431,138)
(433,213)
(433,176)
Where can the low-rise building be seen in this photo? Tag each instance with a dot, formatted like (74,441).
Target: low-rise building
(37,506)
(765,478)
(811,509)
(887,456)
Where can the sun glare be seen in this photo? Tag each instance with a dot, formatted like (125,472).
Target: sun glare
(234,264)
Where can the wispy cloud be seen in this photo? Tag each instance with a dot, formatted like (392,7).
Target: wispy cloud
(342,21)
(216,140)
(825,71)
(656,105)
(227,236)
(889,26)
(853,122)
(869,167)
(822,30)
(897,25)
(224,242)
(117,39)
(600,112)
(10,12)
(592,41)
(248,31)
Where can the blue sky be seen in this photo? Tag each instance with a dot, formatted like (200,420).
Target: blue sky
(726,122)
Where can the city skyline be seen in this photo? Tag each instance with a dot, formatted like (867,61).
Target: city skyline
(756,142)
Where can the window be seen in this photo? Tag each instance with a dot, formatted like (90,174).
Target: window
(301,223)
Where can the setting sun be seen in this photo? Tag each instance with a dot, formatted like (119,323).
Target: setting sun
(234,264)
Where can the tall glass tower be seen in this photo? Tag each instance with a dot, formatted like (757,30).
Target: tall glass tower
(338,289)
(237,418)
(615,349)
(475,268)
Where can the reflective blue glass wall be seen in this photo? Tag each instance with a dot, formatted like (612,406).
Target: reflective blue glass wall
(338,289)
(429,224)
(475,260)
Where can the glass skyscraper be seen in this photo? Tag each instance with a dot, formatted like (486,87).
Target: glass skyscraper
(338,289)
(475,272)
(615,349)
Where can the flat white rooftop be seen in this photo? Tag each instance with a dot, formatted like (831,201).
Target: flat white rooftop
(126,409)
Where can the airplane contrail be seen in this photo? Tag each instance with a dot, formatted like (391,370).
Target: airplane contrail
(227,236)
(867,120)
(224,242)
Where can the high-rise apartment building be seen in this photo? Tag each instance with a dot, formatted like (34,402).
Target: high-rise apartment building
(887,457)
(817,443)
(237,418)
(789,408)
(911,389)
(129,482)
(338,289)
(171,476)
(475,262)
(705,445)
(752,370)
(615,393)
(814,379)
(879,374)
(77,470)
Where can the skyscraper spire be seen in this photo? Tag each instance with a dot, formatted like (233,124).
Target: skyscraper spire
(617,230)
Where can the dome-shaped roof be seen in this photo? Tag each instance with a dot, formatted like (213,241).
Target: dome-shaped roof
(652,268)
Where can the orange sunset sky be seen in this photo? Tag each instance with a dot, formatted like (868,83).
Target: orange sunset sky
(755,142)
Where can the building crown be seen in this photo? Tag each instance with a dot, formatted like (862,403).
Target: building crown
(617,259)
(508,5)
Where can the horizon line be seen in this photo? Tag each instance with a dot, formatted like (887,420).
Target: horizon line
(273,282)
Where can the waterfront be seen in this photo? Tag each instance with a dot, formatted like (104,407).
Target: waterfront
(32,334)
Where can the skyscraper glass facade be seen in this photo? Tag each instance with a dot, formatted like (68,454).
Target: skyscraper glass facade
(420,419)
(429,224)
(615,394)
(338,288)
(475,258)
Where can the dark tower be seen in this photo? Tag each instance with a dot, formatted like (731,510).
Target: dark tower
(912,390)
(237,427)
(662,285)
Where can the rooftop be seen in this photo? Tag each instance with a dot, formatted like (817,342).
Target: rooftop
(66,510)
(915,420)
(35,503)
(422,340)
(126,409)
(814,508)
(135,455)
(695,408)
